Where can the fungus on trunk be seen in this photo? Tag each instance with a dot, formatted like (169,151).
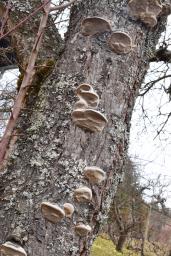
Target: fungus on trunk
(83,194)
(82,229)
(89,119)
(94,174)
(87,92)
(120,42)
(68,209)
(83,115)
(11,249)
(146,10)
(52,212)
(81,104)
(94,25)
(149,19)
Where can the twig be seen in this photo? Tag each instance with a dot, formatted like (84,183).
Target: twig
(5,18)
(163,125)
(152,83)
(26,18)
(27,80)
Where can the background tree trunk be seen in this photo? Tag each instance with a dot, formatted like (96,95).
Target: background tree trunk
(121,241)
(48,160)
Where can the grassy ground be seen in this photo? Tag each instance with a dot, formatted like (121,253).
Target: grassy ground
(105,247)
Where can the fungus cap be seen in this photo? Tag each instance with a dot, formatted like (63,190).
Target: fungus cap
(120,42)
(138,7)
(87,92)
(83,87)
(94,25)
(89,119)
(52,212)
(149,19)
(94,174)
(83,194)
(12,249)
(82,229)
(68,209)
(155,7)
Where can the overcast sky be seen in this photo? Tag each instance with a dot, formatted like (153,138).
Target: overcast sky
(153,155)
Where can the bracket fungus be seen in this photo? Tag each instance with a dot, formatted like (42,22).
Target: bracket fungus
(146,10)
(89,119)
(120,42)
(52,212)
(69,210)
(11,249)
(94,25)
(83,194)
(94,174)
(82,229)
(87,92)
(84,115)
(149,19)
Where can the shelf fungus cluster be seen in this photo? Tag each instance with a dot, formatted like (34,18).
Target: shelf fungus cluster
(87,117)
(119,42)
(83,194)
(84,115)
(146,10)
(12,249)
(54,214)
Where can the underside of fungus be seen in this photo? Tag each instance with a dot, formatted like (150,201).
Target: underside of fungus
(82,229)
(120,42)
(94,174)
(89,119)
(68,209)
(12,249)
(146,10)
(52,212)
(94,25)
(83,194)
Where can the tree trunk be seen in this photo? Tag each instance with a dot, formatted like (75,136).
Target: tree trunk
(147,224)
(49,158)
(121,241)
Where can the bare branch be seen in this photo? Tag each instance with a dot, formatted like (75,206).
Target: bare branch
(27,81)
(152,83)
(162,126)
(5,17)
(26,18)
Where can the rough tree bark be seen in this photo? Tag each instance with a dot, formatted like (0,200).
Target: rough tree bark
(48,160)
(121,241)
